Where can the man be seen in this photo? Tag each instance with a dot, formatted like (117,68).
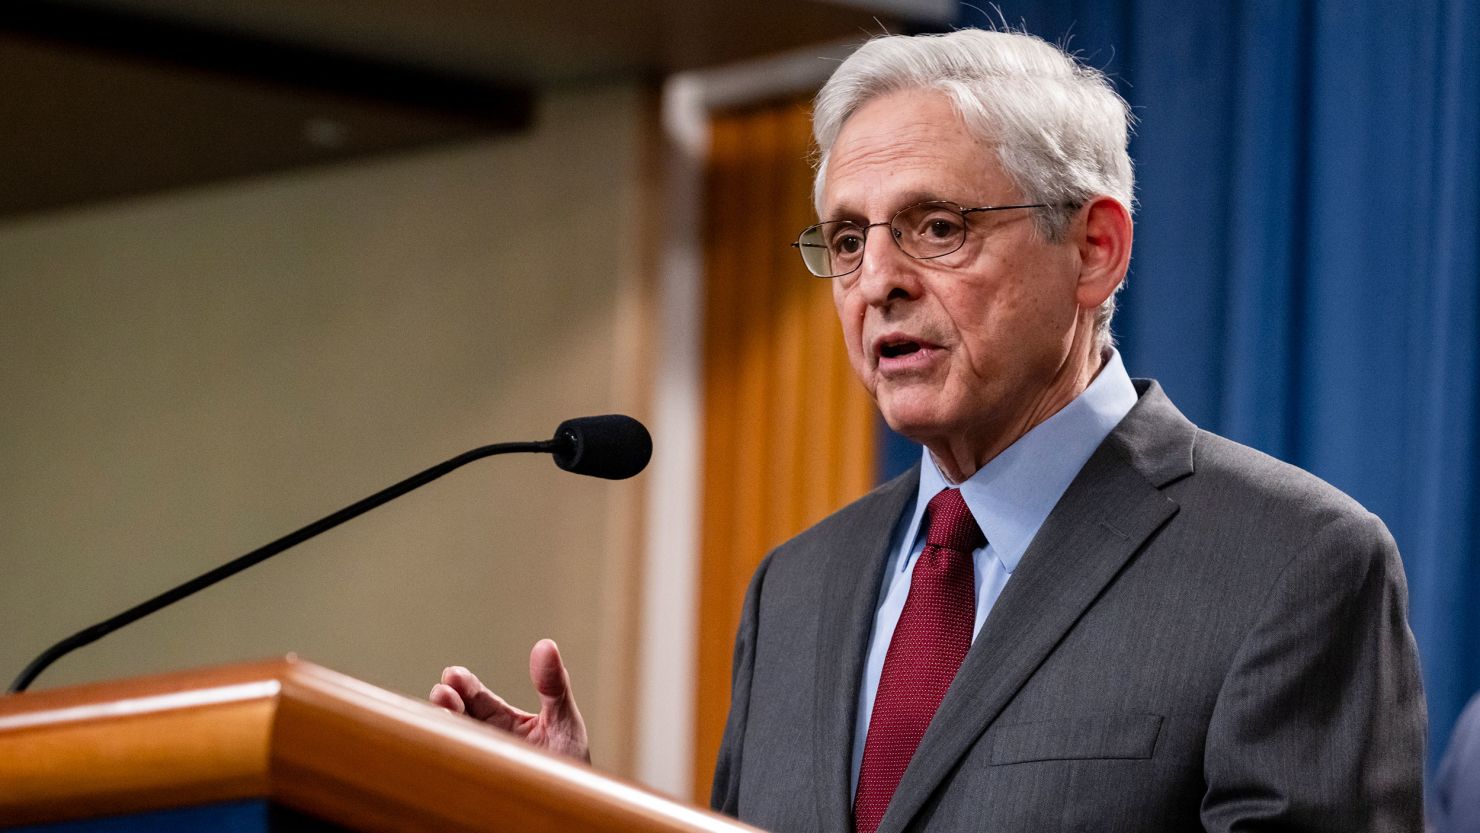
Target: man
(1079,612)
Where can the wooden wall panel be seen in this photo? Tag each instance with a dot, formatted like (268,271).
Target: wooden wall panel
(789,433)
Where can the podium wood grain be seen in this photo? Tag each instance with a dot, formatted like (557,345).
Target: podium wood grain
(308,738)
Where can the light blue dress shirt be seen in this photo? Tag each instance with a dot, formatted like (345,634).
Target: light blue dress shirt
(1010,497)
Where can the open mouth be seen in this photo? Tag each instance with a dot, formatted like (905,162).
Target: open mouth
(895,349)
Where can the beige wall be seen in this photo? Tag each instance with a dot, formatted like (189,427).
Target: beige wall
(187,376)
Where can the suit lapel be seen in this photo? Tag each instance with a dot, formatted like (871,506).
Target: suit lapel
(1110,509)
(854,571)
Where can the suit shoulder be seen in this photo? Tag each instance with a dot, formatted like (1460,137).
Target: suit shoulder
(1245,480)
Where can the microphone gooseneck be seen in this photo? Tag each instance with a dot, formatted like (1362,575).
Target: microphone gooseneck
(612,446)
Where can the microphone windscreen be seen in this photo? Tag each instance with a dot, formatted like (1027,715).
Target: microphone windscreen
(613,446)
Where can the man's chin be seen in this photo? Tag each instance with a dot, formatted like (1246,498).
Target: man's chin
(911,422)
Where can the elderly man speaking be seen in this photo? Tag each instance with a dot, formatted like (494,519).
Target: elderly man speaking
(1079,611)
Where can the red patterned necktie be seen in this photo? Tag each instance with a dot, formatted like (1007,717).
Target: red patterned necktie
(931,639)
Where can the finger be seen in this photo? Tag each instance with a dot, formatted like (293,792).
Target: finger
(444,696)
(455,675)
(462,682)
(551,680)
(566,730)
(481,703)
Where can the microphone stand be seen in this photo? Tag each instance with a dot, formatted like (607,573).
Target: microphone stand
(231,568)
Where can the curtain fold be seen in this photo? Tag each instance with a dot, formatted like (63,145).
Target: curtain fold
(788,431)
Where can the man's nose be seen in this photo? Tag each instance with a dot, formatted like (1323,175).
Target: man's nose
(885,272)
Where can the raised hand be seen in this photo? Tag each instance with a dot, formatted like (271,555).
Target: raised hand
(557,727)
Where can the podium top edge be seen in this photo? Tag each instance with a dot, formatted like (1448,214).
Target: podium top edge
(210,677)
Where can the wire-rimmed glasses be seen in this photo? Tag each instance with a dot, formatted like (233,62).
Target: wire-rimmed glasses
(922,231)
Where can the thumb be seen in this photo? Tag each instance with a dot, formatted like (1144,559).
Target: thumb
(551,680)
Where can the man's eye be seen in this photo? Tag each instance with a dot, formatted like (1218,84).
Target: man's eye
(938,225)
(847,244)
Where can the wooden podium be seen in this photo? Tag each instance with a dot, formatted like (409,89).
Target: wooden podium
(300,748)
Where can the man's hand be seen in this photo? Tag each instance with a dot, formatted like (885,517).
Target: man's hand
(558,727)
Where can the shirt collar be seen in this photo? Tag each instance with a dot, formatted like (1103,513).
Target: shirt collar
(1011,495)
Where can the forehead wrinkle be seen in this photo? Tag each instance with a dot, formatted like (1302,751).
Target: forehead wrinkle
(905,162)
(908,179)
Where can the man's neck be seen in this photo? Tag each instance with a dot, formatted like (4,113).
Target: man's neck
(960,456)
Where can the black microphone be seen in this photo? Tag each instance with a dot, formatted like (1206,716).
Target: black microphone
(611,446)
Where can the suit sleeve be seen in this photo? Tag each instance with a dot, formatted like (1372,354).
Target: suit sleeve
(1319,724)
(724,796)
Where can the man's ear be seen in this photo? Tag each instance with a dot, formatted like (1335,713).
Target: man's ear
(1103,234)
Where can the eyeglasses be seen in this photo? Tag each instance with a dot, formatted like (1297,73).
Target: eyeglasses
(928,230)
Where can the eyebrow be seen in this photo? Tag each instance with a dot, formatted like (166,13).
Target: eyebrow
(907,199)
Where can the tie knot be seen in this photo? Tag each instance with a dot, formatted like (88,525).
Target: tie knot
(951,523)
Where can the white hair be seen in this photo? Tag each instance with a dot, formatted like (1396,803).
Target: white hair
(1058,127)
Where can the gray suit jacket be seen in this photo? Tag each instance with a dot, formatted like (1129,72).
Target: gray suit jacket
(1199,638)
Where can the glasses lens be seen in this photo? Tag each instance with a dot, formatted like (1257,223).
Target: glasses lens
(930,229)
(832,249)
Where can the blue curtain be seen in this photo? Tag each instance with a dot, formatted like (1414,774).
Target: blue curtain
(1307,257)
